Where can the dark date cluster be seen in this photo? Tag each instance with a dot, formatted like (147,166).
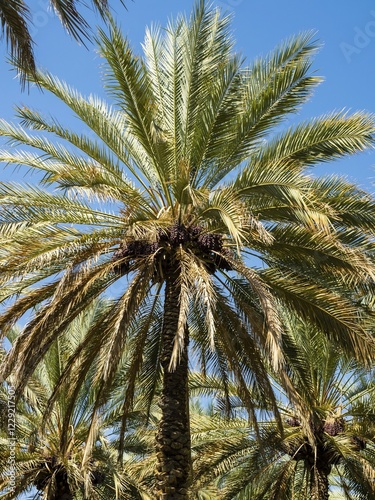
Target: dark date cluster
(331,426)
(334,426)
(51,467)
(97,477)
(293,422)
(204,244)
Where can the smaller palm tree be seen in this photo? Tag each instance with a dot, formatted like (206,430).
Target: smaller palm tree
(66,458)
(328,449)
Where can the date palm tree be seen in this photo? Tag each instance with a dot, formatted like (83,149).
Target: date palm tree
(15,19)
(182,198)
(339,396)
(51,452)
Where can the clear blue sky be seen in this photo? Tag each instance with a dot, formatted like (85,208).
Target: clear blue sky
(346,60)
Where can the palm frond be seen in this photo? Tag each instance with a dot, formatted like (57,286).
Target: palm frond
(14,18)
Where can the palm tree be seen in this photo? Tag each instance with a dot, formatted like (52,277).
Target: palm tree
(184,181)
(339,397)
(15,16)
(51,455)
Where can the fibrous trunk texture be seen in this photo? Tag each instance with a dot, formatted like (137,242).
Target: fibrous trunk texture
(173,444)
(320,485)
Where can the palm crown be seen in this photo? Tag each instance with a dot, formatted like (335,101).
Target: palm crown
(200,182)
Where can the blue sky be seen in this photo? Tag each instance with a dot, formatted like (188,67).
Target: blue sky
(346,30)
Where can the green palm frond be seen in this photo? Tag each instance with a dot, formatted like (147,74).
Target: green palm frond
(270,464)
(47,448)
(14,19)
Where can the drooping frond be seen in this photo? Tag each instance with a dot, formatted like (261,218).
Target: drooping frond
(50,455)
(14,18)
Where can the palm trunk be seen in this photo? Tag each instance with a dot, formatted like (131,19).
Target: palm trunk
(320,485)
(173,443)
